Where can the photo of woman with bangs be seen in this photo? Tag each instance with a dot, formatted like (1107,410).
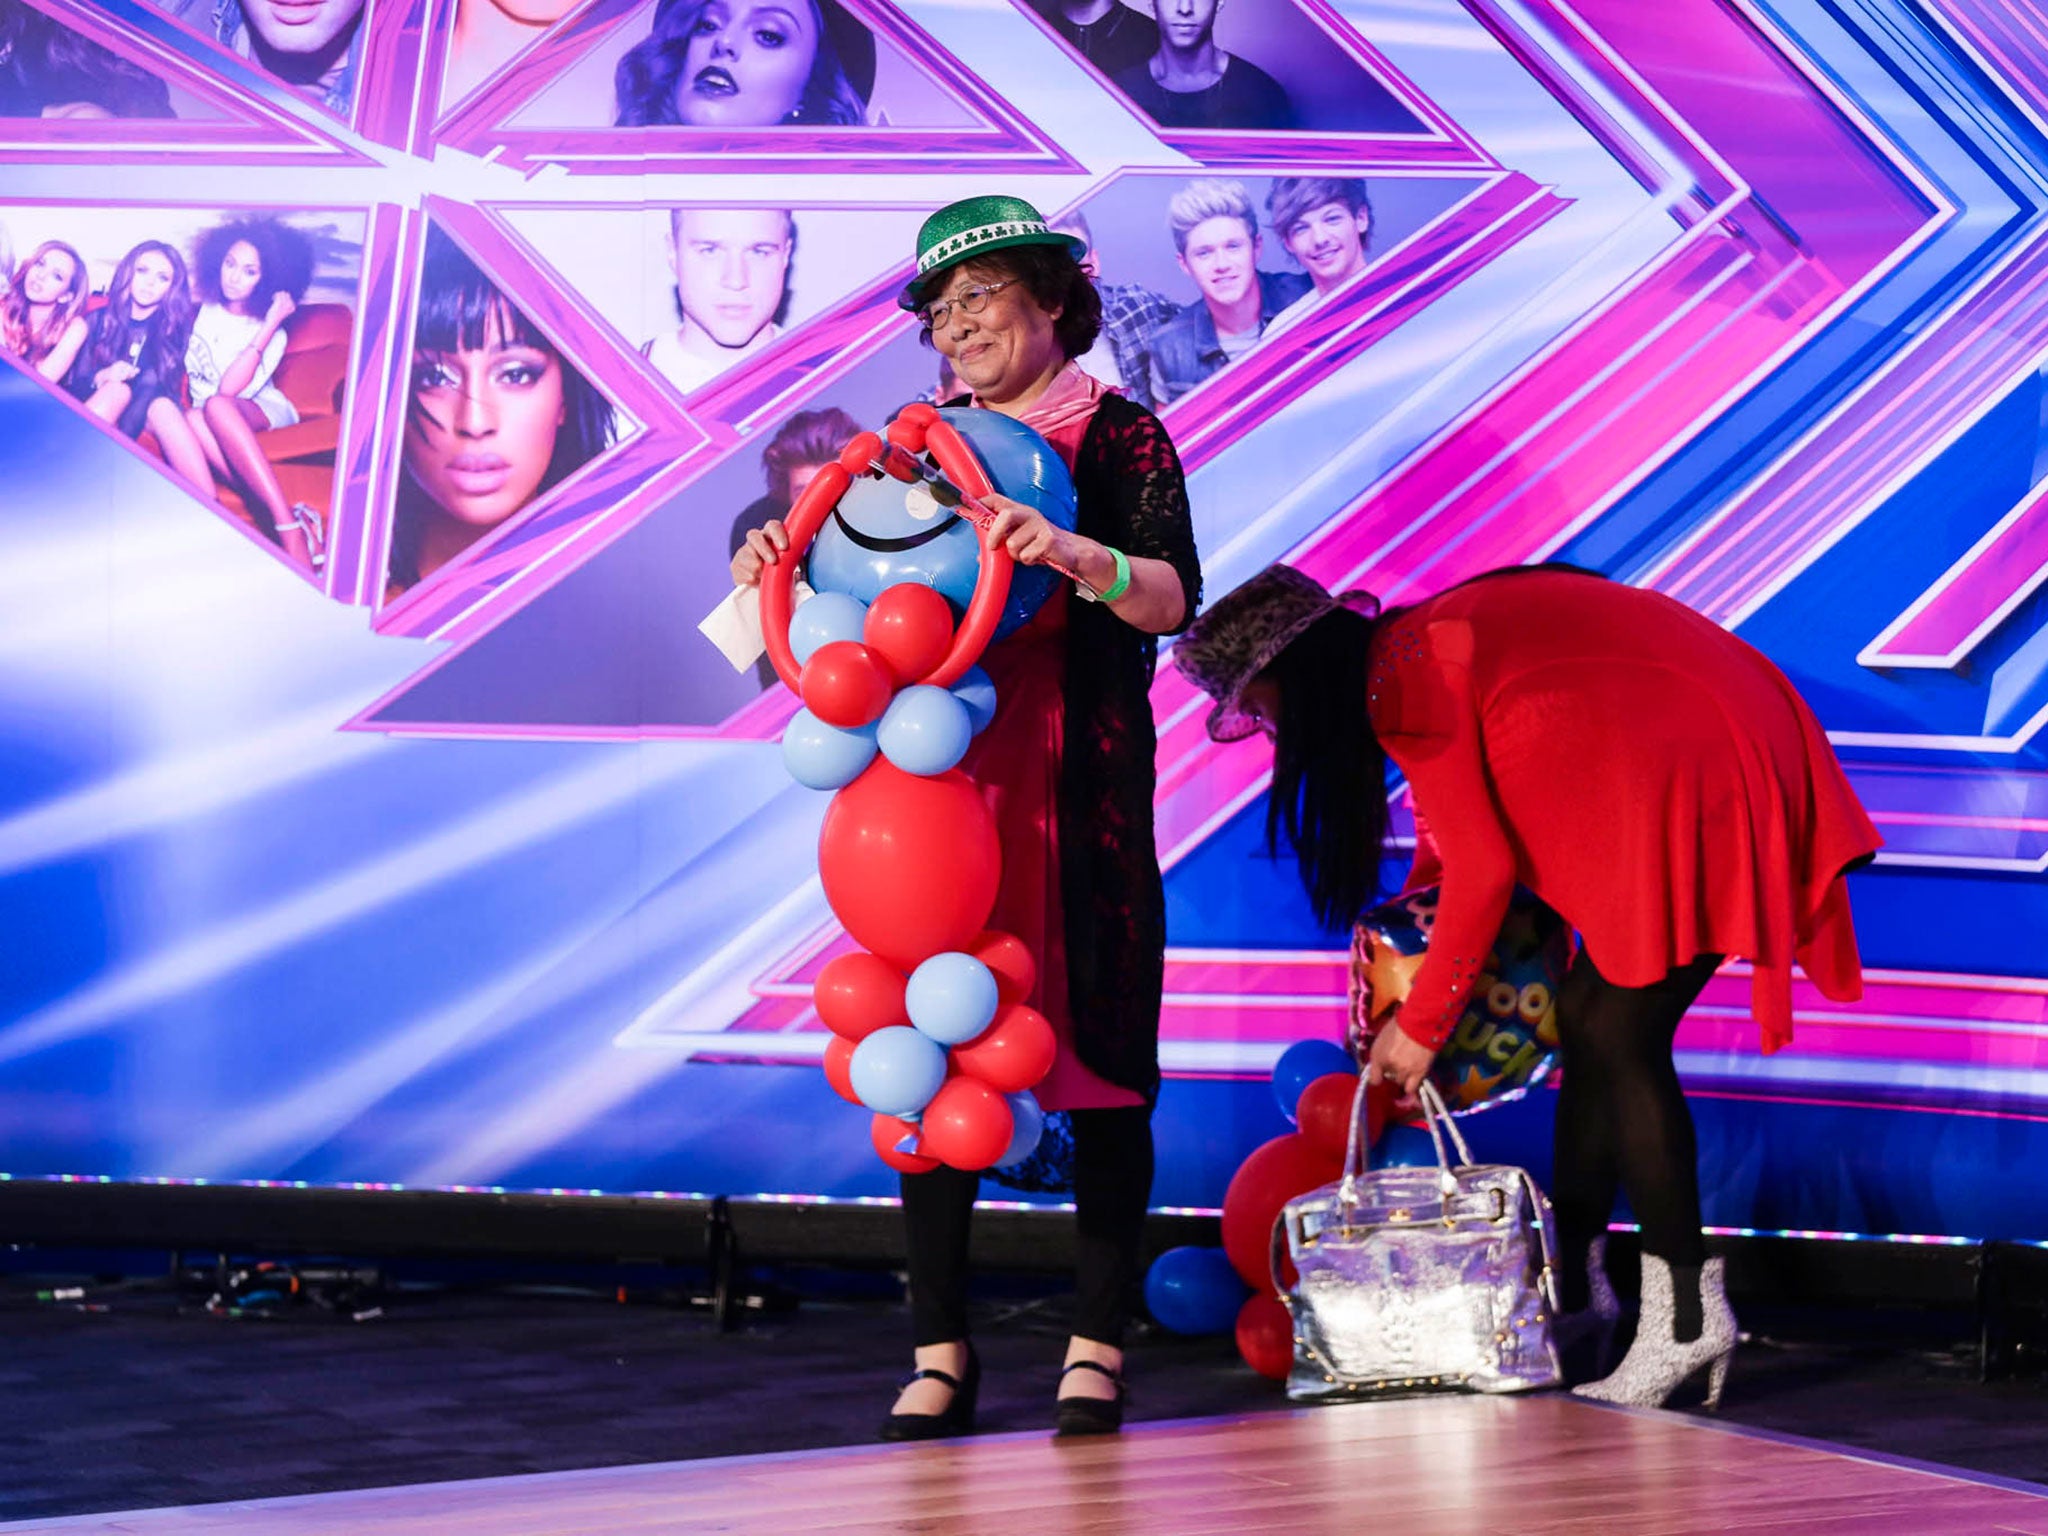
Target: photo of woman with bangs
(130,367)
(252,273)
(748,64)
(42,318)
(494,417)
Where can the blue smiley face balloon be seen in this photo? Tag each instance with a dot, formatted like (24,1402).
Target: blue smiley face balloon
(884,532)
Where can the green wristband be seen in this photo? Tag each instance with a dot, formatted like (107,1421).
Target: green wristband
(1122,584)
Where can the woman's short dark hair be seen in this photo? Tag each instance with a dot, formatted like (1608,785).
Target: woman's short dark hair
(285,255)
(1051,275)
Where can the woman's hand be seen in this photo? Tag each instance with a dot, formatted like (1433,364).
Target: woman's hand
(764,547)
(281,306)
(114,373)
(1399,1059)
(1030,537)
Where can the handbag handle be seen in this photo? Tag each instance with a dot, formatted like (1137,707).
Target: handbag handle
(1440,1124)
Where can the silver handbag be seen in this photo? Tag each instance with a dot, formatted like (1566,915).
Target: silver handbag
(1419,1279)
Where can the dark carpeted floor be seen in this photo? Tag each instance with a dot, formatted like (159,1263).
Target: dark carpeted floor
(153,1401)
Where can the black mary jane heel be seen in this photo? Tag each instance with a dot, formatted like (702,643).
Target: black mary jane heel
(956,1418)
(1091,1415)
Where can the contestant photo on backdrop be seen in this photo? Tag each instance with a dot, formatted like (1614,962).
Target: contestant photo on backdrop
(315,49)
(724,67)
(218,342)
(495,417)
(1250,68)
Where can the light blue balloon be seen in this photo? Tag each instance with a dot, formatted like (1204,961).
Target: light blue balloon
(1028,1121)
(951,998)
(978,692)
(925,730)
(821,756)
(896,1070)
(822,619)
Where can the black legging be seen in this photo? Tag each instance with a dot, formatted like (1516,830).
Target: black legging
(1622,1120)
(1112,1187)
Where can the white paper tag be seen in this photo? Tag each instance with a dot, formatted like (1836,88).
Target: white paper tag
(734,626)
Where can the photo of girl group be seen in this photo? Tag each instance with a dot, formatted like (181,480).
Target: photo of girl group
(1250,66)
(495,417)
(743,64)
(219,343)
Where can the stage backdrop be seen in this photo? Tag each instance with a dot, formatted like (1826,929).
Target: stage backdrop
(464,861)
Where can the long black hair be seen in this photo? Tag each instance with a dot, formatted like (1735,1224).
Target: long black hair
(1329,794)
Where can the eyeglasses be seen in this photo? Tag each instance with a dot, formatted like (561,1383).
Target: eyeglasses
(969,301)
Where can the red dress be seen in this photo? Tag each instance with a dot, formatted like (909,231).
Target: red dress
(1016,764)
(1651,777)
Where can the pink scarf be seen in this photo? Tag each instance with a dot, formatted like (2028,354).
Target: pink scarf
(1061,415)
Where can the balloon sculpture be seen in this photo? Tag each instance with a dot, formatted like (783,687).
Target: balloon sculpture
(931,1028)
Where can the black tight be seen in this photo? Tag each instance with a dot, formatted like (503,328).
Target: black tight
(1622,1121)
(1112,1187)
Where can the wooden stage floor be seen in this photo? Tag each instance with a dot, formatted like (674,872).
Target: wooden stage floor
(1455,1466)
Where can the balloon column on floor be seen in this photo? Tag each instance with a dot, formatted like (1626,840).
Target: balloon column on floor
(930,1024)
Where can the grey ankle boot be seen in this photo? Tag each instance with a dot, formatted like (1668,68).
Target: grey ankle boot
(1657,1363)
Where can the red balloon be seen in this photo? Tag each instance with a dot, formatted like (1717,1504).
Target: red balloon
(1274,1174)
(910,865)
(1265,1335)
(910,627)
(1013,1053)
(1324,1112)
(858,994)
(967,1124)
(1011,962)
(846,684)
(887,1133)
(839,1068)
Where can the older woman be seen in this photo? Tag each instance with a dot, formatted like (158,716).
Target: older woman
(1647,774)
(1067,768)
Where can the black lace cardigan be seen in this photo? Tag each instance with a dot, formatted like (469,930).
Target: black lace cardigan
(1132,496)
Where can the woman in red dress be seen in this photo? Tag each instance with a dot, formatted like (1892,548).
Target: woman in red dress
(1067,768)
(1648,775)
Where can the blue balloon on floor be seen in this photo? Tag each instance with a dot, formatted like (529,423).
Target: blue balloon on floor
(1301,1064)
(1404,1146)
(1194,1291)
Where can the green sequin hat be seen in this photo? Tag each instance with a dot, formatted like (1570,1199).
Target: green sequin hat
(974,226)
